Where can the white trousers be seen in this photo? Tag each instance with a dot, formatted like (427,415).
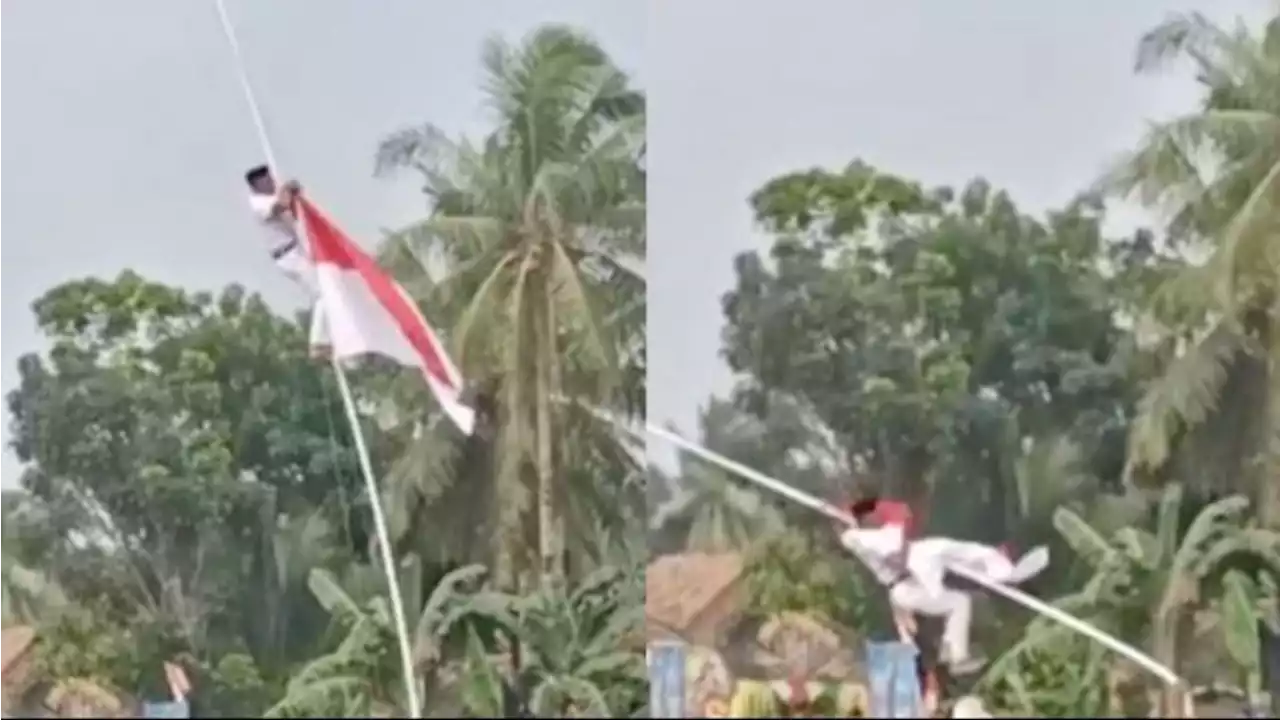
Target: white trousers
(923,590)
(929,558)
(298,268)
(955,607)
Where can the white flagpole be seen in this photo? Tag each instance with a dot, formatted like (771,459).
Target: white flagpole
(349,406)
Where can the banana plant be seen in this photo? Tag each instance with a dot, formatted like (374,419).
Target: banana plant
(579,651)
(1246,601)
(484,690)
(362,673)
(1146,581)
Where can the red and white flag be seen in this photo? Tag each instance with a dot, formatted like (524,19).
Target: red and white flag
(368,312)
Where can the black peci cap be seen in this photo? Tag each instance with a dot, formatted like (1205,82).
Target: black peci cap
(256,173)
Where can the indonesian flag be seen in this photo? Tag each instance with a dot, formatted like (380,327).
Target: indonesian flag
(368,312)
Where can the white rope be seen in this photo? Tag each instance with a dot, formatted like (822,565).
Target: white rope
(1035,605)
(348,403)
(229,30)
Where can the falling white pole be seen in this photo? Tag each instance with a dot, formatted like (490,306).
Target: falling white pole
(1037,606)
(348,404)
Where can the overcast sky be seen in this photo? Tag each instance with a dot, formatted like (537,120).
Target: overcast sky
(1035,96)
(128,134)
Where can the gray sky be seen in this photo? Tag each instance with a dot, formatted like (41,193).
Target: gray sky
(1035,96)
(128,134)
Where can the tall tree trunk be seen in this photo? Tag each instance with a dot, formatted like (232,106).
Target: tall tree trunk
(508,537)
(1228,452)
(1164,649)
(545,469)
(1260,324)
(559,490)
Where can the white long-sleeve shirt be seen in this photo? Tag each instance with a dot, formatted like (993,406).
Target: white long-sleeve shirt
(279,228)
(876,547)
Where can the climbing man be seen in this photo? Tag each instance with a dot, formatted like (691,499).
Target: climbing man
(882,534)
(274,207)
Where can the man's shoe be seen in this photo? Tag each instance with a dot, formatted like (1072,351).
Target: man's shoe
(1030,565)
(968,666)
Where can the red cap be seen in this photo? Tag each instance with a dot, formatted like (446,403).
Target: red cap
(892,512)
(864,506)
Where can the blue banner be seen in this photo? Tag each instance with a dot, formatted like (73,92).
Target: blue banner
(175,709)
(666,680)
(893,684)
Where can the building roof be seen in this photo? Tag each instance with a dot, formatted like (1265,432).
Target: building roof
(16,641)
(679,587)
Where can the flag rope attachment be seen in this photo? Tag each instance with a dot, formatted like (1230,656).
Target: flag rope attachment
(348,402)
(1033,604)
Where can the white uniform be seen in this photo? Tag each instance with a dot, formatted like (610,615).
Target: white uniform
(919,587)
(290,255)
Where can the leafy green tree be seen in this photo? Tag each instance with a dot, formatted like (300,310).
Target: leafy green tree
(79,644)
(925,327)
(29,592)
(540,229)
(183,475)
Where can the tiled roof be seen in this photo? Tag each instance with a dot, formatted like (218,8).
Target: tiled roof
(679,587)
(15,640)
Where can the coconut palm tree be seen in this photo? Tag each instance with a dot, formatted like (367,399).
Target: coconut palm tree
(1215,173)
(715,515)
(711,510)
(282,613)
(539,229)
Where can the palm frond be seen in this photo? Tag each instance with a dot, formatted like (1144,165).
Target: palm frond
(1183,396)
